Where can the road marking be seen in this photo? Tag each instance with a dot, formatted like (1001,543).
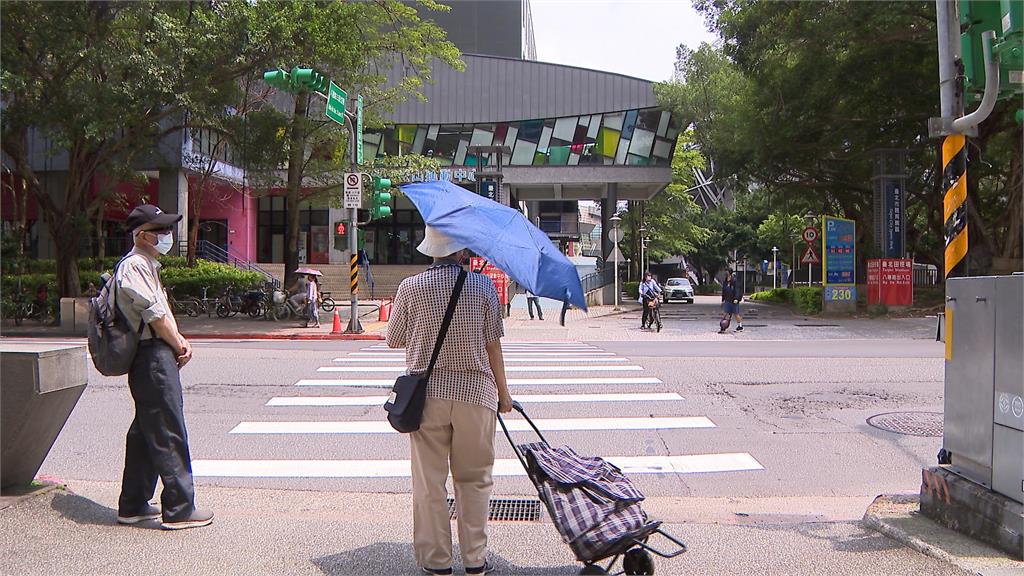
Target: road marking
(684,464)
(362,382)
(507,368)
(514,359)
(586,354)
(546,425)
(523,398)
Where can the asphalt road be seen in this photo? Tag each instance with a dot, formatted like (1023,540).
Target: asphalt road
(765,439)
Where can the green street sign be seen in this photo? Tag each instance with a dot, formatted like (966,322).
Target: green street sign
(336,98)
(359,129)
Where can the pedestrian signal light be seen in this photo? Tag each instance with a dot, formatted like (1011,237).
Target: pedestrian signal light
(340,229)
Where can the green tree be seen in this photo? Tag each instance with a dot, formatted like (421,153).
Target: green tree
(97,85)
(670,218)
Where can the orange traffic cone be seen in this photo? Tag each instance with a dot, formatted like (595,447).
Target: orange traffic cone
(336,329)
(384,311)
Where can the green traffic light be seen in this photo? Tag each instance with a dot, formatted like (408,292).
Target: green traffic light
(381,183)
(276,78)
(382,197)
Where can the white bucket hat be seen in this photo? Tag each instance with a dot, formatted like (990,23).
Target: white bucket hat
(437,244)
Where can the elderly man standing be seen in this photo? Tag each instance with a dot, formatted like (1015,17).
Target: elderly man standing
(157,443)
(465,390)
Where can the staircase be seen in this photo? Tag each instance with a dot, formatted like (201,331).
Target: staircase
(336,279)
(210,251)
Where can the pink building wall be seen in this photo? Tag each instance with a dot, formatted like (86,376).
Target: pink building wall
(223,201)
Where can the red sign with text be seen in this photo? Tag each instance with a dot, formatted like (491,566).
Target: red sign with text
(891,281)
(499,278)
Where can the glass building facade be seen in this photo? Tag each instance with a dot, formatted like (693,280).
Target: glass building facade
(644,137)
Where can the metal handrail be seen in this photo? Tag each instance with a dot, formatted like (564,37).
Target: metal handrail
(597,280)
(210,251)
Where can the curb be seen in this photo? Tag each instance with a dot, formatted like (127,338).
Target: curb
(258,336)
(874,522)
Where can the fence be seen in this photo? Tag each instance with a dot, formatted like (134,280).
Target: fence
(598,280)
(210,251)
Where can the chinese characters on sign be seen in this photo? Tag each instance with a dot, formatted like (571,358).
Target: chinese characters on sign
(894,220)
(840,253)
(891,282)
(500,279)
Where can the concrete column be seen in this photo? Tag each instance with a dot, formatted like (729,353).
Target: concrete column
(608,204)
(173,197)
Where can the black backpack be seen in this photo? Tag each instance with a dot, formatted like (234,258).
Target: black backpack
(112,342)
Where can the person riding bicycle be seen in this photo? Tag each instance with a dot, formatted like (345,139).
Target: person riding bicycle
(650,293)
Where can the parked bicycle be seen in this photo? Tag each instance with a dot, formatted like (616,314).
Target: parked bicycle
(327,304)
(282,307)
(18,309)
(187,306)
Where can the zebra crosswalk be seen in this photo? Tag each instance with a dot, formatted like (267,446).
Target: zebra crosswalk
(604,400)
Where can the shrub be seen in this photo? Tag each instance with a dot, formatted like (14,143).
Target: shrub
(775,295)
(632,289)
(215,276)
(808,299)
(709,289)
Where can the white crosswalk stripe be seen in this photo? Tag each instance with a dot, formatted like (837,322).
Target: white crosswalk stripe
(584,366)
(631,368)
(521,398)
(683,464)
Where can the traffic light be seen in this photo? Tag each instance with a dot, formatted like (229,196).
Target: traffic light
(381,198)
(277,78)
(304,79)
(339,229)
(1004,18)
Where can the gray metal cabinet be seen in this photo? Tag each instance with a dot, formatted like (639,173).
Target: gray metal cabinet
(984,391)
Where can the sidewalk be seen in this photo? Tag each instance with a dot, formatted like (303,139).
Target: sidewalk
(263,531)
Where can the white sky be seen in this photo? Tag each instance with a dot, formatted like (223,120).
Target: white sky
(632,37)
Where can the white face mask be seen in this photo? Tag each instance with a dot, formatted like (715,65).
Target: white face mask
(164,242)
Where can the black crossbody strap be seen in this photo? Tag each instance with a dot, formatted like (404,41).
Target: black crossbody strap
(447,320)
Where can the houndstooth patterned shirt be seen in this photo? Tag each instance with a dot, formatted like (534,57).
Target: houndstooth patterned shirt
(463,371)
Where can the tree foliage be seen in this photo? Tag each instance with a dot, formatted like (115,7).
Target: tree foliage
(797,99)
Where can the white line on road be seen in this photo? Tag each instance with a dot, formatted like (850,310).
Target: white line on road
(373,383)
(507,368)
(685,464)
(524,398)
(567,360)
(546,425)
(506,353)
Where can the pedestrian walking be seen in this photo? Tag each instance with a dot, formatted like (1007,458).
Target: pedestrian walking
(650,292)
(313,300)
(531,301)
(731,297)
(465,390)
(157,443)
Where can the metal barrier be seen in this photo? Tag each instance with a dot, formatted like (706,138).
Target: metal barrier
(210,251)
(597,280)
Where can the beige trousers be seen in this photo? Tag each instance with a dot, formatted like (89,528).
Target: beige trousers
(462,435)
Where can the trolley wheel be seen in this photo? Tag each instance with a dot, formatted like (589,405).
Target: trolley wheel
(328,304)
(592,569)
(638,561)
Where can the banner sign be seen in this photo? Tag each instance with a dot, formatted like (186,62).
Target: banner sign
(840,250)
(500,279)
(894,219)
(891,281)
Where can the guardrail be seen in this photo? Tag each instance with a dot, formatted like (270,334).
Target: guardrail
(210,251)
(597,280)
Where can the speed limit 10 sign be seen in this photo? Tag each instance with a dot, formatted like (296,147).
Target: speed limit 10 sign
(810,234)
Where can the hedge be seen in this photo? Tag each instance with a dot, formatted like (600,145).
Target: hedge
(632,289)
(186,281)
(806,299)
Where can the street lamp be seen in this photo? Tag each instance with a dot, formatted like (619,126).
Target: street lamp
(775,266)
(616,238)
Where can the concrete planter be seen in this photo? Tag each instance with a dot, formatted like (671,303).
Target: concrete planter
(39,387)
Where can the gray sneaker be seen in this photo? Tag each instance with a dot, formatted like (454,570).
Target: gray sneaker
(148,512)
(197,519)
(487,568)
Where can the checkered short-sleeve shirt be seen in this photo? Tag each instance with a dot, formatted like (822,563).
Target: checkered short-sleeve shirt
(463,371)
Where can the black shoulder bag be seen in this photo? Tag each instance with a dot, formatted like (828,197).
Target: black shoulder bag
(408,396)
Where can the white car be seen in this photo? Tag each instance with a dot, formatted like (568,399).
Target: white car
(678,289)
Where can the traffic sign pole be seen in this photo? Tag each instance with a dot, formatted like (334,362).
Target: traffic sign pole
(354,326)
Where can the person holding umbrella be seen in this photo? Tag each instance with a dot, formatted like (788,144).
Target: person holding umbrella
(465,389)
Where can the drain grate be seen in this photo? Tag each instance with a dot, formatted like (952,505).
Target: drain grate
(506,509)
(909,423)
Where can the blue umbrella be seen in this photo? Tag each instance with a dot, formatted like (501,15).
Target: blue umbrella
(500,234)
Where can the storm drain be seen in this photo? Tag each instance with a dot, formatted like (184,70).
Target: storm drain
(506,509)
(909,423)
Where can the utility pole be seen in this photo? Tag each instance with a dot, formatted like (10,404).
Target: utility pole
(354,326)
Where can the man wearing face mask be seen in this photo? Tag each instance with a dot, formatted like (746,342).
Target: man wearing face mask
(157,442)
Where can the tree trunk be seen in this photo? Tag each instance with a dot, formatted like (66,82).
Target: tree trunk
(101,246)
(193,235)
(297,150)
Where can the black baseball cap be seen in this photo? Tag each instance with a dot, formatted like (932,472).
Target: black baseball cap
(151,217)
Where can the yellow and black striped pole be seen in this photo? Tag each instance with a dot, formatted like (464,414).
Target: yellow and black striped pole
(354,274)
(954,182)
